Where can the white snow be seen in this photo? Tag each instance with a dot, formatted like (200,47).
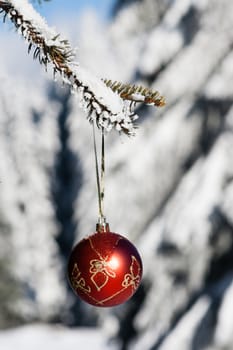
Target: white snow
(104,95)
(220,83)
(40,336)
(27,155)
(179,9)
(224,331)
(29,14)
(160,47)
(181,338)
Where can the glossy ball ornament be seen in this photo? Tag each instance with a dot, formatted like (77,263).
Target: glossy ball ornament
(105,269)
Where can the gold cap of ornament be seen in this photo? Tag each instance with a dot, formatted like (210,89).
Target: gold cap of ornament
(102,226)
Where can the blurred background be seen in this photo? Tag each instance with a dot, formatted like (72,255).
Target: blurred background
(169,189)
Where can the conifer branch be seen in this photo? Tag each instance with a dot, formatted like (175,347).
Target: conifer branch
(136,93)
(98,98)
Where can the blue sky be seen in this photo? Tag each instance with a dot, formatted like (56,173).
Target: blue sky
(61,14)
(54,8)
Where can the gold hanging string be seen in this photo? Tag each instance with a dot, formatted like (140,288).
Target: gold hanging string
(102,185)
(100,178)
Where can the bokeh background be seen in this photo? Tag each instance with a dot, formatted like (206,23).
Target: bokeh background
(169,189)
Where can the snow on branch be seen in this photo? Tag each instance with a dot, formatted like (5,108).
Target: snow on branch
(102,100)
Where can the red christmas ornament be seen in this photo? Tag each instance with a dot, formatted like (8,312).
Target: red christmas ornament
(105,269)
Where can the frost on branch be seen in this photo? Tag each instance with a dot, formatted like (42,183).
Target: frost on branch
(107,104)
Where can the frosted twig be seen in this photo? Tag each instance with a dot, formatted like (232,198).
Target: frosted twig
(100,99)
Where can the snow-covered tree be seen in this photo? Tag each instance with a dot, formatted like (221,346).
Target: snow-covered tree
(175,176)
